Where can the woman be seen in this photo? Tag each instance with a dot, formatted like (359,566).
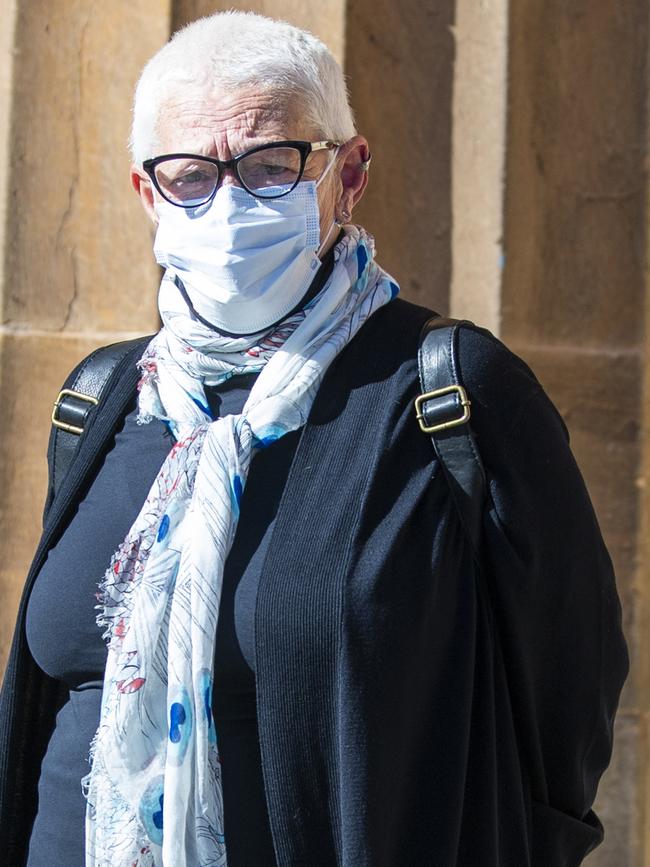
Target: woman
(303,665)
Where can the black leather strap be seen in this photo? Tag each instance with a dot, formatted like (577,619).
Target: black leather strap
(441,414)
(74,411)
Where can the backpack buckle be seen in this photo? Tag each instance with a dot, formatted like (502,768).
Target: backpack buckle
(432,419)
(71,403)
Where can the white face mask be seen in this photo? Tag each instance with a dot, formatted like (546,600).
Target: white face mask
(245,263)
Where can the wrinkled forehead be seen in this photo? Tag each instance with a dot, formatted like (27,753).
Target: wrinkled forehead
(225,123)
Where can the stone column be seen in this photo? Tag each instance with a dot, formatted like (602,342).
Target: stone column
(639,768)
(428,82)
(478,156)
(74,263)
(574,288)
(399,59)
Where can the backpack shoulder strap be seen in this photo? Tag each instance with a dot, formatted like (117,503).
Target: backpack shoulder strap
(443,412)
(82,391)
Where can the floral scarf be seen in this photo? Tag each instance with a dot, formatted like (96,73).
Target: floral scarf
(154,789)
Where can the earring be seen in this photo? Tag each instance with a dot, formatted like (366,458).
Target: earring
(345,216)
(365,165)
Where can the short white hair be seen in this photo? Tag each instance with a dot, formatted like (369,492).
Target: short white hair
(233,50)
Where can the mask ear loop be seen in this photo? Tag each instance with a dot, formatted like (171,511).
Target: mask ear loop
(329,166)
(335,223)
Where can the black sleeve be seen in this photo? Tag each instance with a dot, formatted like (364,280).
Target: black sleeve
(553,593)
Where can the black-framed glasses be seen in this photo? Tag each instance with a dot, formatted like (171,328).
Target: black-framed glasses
(191,180)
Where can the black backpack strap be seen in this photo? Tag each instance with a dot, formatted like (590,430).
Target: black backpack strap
(443,411)
(73,408)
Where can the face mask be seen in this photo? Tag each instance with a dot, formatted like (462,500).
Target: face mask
(245,263)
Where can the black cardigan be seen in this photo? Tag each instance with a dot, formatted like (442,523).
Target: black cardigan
(412,710)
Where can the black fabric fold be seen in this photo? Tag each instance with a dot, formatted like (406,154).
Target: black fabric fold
(410,713)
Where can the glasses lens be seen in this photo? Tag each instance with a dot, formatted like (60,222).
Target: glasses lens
(263,171)
(187,181)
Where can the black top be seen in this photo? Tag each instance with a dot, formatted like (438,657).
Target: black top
(66,641)
(411,708)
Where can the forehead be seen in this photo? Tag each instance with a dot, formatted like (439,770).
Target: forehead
(224,124)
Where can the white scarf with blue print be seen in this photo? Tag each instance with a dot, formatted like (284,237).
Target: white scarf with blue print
(154,790)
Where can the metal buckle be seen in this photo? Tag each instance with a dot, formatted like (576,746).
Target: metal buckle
(454,422)
(68,392)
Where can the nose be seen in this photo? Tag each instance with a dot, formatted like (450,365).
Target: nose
(229,178)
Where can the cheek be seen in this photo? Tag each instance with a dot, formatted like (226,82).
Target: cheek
(327,207)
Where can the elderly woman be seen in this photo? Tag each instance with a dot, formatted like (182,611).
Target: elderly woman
(304,661)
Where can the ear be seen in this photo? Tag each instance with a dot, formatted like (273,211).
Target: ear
(354,172)
(142,185)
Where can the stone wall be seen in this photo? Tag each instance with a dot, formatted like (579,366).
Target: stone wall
(75,266)
(574,290)
(508,184)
